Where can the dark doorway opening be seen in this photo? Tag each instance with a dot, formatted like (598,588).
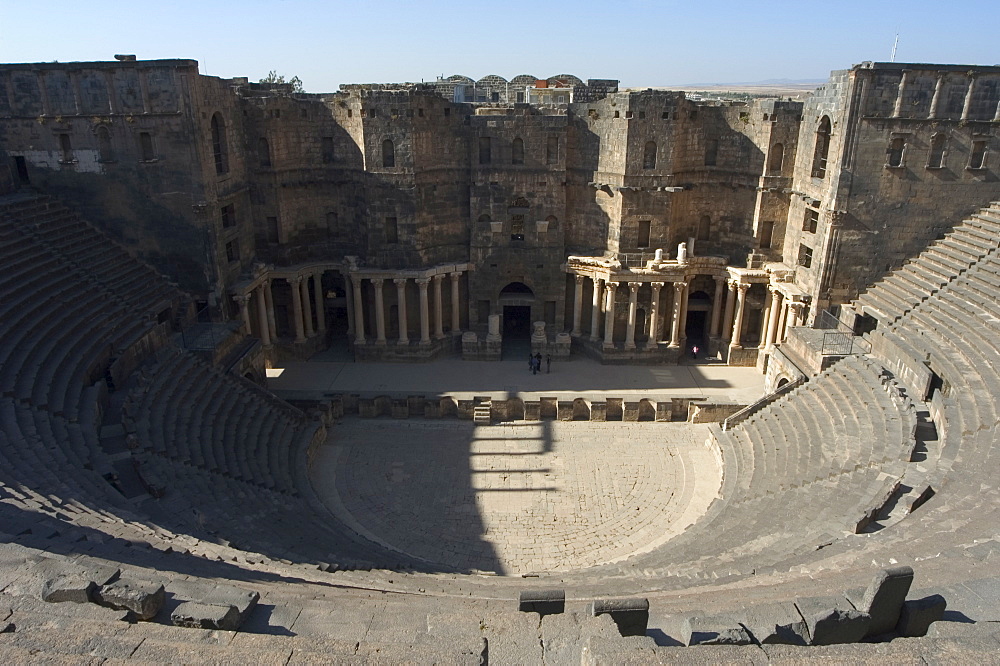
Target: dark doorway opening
(865,324)
(695,328)
(516,331)
(22,169)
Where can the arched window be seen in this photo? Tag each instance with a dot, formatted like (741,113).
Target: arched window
(220,147)
(936,158)
(704,228)
(388,153)
(822,148)
(649,155)
(517,152)
(894,155)
(264,152)
(104,148)
(777,157)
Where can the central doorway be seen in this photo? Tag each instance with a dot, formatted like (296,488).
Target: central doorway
(516,300)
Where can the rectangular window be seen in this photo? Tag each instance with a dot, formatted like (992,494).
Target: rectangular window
(146,147)
(328,150)
(643,240)
(811,220)
(228,216)
(66,147)
(391,230)
(485,150)
(483,311)
(711,152)
(272,230)
(552,150)
(977,160)
(766,233)
(233,250)
(805,256)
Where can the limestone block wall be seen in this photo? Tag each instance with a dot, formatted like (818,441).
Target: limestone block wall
(115,138)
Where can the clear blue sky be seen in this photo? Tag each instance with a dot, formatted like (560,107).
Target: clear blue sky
(640,42)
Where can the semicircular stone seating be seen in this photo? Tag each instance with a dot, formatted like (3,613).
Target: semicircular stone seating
(799,475)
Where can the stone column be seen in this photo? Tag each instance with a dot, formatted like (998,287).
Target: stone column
(425,315)
(609,315)
(675,322)
(654,314)
(936,99)
(595,312)
(272,327)
(349,301)
(359,312)
(633,299)
(320,302)
(967,107)
(438,307)
(772,316)
(379,312)
(727,324)
(456,326)
(741,295)
(401,307)
(713,330)
(684,310)
(901,91)
(782,321)
(297,308)
(577,305)
(306,307)
(244,301)
(797,308)
(265,337)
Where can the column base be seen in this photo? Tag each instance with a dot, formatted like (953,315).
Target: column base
(736,346)
(299,341)
(629,346)
(674,345)
(608,345)
(576,334)
(425,343)
(380,343)
(402,343)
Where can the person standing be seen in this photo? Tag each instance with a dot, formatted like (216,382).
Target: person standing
(548,364)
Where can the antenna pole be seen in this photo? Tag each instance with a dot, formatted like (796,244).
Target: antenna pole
(895,43)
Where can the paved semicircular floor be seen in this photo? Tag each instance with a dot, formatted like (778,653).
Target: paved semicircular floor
(519,497)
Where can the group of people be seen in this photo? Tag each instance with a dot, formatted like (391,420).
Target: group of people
(535,363)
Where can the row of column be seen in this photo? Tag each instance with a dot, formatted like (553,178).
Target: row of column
(604,295)
(936,100)
(302,306)
(358,323)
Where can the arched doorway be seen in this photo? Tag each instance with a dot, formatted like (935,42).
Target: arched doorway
(515,302)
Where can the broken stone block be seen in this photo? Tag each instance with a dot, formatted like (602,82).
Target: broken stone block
(631,615)
(76,588)
(195,615)
(144,600)
(918,615)
(714,630)
(777,624)
(832,620)
(543,602)
(244,601)
(883,599)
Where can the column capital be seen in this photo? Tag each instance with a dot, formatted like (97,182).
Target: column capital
(377,282)
(634,286)
(658,285)
(400,282)
(297,280)
(578,278)
(679,285)
(422,282)
(743,288)
(438,277)
(242,299)
(455,275)
(611,285)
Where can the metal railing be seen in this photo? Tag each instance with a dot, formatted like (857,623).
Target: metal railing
(760,404)
(199,333)
(839,338)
